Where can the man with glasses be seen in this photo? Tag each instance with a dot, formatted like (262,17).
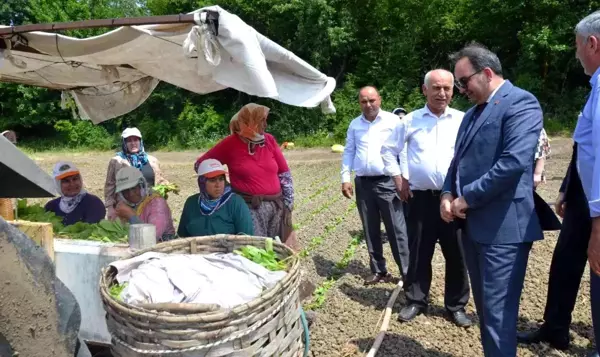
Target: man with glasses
(425,141)
(489,192)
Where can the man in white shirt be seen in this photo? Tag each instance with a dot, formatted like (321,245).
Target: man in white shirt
(376,195)
(426,147)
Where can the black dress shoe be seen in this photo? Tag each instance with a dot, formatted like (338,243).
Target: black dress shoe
(460,318)
(559,341)
(410,312)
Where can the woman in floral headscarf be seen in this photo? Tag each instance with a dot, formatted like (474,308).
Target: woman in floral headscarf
(132,154)
(258,172)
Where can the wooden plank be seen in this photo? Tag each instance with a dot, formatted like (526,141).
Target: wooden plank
(40,233)
(87,24)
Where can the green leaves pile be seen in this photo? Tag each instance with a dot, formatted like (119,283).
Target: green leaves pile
(265,257)
(37,213)
(116,290)
(164,190)
(103,231)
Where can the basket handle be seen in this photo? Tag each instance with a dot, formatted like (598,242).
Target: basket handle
(180,307)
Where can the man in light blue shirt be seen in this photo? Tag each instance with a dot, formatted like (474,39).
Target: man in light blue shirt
(587,137)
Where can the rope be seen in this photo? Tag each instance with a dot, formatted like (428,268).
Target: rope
(214,344)
(205,45)
(9,56)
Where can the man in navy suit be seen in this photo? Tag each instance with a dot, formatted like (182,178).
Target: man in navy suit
(489,190)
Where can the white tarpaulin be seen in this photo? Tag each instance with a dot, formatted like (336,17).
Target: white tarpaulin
(112,74)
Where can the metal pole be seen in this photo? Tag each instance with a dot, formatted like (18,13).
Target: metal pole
(87,24)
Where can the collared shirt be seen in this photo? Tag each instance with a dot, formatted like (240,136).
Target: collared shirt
(587,136)
(429,147)
(364,141)
(458,190)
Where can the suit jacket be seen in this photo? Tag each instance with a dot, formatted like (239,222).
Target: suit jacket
(495,163)
(546,216)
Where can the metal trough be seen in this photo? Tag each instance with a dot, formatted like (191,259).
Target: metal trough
(78,265)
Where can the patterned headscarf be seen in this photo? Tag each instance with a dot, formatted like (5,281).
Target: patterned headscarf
(208,206)
(63,170)
(247,121)
(136,160)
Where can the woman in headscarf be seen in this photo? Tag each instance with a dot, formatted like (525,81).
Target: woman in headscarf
(132,154)
(138,204)
(75,204)
(258,172)
(216,209)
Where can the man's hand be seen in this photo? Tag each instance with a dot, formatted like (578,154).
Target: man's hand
(124,211)
(446,208)
(459,207)
(347,190)
(560,205)
(403,188)
(537,179)
(594,247)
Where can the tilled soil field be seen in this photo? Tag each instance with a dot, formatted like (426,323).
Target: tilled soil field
(337,261)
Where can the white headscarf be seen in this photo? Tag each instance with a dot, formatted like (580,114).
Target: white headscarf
(62,170)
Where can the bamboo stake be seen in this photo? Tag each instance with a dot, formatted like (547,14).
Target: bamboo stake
(386,321)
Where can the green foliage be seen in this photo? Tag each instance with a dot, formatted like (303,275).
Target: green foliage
(37,213)
(164,190)
(83,133)
(320,294)
(265,257)
(103,231)
(116,290)
(534,41)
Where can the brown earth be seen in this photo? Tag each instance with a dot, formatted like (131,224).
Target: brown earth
(347,320)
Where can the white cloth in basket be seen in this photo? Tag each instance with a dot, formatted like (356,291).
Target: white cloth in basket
(227,279)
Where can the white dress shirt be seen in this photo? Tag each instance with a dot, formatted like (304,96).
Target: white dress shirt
(364,142)
(458,190)
(429,147)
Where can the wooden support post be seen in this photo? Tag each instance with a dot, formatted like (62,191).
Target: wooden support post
(142,236)
(40,233)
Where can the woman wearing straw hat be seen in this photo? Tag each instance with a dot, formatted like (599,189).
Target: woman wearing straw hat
(132,154)
(75,204)
(216,209)
(258,172)
(138,204)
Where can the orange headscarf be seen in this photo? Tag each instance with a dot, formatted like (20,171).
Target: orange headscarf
(247,121)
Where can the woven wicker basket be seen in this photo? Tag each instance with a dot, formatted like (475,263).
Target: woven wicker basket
(267,326)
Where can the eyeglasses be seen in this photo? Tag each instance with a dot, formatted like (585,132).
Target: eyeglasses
(463,82)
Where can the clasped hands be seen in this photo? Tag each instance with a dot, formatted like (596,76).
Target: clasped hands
(451,207)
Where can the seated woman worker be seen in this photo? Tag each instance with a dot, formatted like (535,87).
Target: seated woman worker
(138,204)
(259,173)
(75,204)
(216,209)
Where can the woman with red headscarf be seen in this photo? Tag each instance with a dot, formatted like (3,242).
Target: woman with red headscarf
(258,172)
